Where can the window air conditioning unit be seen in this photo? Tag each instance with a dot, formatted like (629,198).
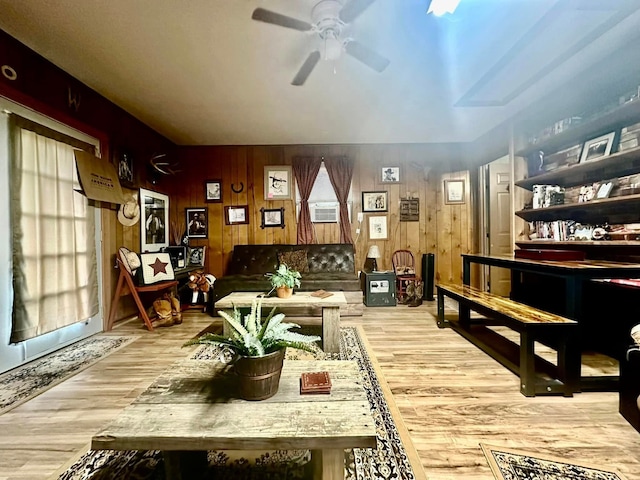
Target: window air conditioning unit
(325,212)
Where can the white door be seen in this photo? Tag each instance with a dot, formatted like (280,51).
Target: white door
(499,219)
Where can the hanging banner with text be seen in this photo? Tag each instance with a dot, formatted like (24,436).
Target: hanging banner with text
(98,178)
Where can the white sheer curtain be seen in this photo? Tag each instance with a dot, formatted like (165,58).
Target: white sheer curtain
(55,276)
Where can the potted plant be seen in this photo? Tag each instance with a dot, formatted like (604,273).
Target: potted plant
(283,280)
(258,346)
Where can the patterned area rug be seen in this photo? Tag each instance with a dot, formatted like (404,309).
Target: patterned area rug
(389,461)
(25,382)
(508,464)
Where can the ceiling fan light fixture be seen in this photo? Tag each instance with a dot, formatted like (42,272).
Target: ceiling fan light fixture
(440,7)
(332,47)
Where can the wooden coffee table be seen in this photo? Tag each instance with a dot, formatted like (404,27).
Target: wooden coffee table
(191,408)
(330,311)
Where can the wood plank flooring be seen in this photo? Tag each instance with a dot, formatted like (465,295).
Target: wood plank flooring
(451,397)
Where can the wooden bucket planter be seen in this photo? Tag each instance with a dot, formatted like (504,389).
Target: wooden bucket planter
(259,377)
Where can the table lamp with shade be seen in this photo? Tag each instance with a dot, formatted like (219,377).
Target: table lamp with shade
(373,254)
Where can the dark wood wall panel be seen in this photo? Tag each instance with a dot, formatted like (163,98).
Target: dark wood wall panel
(445,230)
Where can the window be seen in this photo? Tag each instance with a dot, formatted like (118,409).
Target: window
(323,200)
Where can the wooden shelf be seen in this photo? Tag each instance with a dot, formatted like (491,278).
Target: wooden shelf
(608,122)
(616,165)
(609,210)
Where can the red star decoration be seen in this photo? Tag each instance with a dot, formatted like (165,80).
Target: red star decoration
(159,267)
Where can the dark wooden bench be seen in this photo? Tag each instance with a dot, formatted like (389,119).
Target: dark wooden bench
(532,324)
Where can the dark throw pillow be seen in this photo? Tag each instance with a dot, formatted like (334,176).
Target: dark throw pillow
(295,259)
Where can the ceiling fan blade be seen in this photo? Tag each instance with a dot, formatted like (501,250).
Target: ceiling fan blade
(267,16)
(353,9)
(367,56)
(306,68)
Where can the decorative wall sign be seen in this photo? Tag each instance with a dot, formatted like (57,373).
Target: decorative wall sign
(272,217)
(409,210)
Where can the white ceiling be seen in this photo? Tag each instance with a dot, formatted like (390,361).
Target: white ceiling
(201,72)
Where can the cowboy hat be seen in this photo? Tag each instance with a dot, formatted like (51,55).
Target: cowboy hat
(129,212)
(129,259)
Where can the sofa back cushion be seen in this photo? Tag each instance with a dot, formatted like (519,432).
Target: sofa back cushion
(259,259)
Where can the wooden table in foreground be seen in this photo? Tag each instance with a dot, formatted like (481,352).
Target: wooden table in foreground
(191,409)
(330,311)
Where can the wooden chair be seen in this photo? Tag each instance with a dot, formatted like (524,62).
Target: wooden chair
(127,286)
(404,267)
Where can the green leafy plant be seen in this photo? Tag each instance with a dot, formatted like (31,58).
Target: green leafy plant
(284,277)
(256,337)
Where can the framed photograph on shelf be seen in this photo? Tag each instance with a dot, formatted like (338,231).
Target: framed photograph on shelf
(197,222)
(375,201)
(213,191)
(278,182)
(604,190)
(454,192)
(597,147)
(195,256)
(154,233)
(390,175)
(272,217)
(378,227)
(236,214)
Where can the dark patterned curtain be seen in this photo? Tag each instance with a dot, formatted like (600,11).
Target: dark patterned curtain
(305,170)
(340,170)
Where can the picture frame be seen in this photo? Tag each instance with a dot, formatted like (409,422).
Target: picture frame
(195,256)
(272,217)
(197,222)
(377,201)
(124,165)
(409,210)
(154,226)
(390,175)
(454,192)
(604,190)
(378,227)
(598,147)
(278,182)
(236,214)
(213,191)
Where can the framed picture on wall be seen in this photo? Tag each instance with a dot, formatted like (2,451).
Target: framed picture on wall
(236,214)
(390,175)
(272,217)
(378,227)
(454,192)
(154,234)
(197,222)
(213,191)
(375,201)
(278,182)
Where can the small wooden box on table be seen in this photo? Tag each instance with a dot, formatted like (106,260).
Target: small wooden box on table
(192,408)
(330,311)
(532,325)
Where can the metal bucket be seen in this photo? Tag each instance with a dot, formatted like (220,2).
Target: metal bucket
(259,377)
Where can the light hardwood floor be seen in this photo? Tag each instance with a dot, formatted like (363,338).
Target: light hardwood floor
(451,396)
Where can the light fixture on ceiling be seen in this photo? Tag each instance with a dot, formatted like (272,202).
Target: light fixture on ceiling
(440,7)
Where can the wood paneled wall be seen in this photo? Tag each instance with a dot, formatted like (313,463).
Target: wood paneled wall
(445,230)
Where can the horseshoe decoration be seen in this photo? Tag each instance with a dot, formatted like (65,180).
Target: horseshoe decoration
(233,188)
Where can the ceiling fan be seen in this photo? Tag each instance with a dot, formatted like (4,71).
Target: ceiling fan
(328,19)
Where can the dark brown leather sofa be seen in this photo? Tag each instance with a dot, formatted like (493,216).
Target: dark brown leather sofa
(330,267)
